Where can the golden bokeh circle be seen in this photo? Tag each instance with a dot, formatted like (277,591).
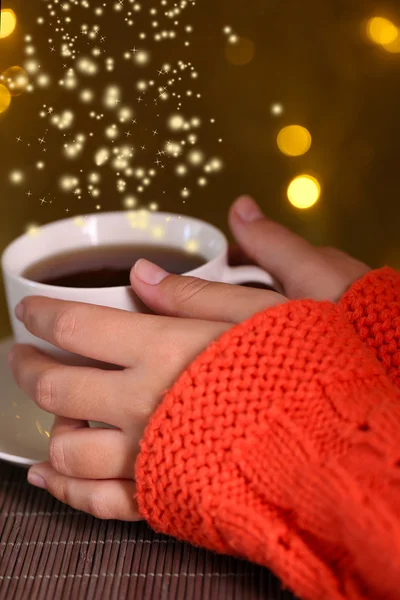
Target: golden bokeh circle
(15,79)
(8,22)
(393,47)
(303,191)
(241,52)
(5,98)
(382,31)
(294,140)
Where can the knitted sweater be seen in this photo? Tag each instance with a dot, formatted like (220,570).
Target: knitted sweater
(281,444)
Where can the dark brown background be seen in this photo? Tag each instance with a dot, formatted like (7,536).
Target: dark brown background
(311,56)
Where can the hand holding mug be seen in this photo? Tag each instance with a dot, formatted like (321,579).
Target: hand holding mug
(103,231)
(93,469)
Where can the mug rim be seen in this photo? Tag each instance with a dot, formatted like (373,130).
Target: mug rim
(8,272)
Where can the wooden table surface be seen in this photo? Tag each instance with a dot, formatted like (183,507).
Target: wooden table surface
(48,550)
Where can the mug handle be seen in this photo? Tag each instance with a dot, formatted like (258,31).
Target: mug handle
(247,274)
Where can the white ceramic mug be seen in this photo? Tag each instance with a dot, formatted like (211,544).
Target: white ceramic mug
(141,227)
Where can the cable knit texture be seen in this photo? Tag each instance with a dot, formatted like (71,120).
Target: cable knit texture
(281,444)
(373,306)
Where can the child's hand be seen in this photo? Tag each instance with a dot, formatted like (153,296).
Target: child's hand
(92,469)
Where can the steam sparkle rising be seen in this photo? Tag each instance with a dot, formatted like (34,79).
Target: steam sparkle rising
(119,119)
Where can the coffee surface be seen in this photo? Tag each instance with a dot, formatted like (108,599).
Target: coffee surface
(108,266)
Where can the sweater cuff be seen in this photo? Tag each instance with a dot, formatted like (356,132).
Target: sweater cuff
(252,451)
(372,305)
(216,401)
(297,366)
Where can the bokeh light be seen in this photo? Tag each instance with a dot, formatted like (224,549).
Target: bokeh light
(118,142)
(16,177)
(15,79)
(382,31)
(32,229)
(393,47)
(294,140)
(5,98)
(303,191)
(8,22)
(277,109)
(241,52)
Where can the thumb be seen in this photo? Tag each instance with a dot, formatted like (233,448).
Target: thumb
(295,263)
(190,297)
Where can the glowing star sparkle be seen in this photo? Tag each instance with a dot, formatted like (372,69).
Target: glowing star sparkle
(104,136)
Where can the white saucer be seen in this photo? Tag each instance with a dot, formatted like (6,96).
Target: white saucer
(24,428)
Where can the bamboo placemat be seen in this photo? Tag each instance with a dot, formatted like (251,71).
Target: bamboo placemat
(48,550)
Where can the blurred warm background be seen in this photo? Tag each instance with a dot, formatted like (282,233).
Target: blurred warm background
(182,106)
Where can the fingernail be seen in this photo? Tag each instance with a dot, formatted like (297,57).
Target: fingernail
(36,480)
(19,311)
(247,209)
(148,272)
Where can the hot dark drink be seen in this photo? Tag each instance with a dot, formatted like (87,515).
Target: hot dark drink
(108,266)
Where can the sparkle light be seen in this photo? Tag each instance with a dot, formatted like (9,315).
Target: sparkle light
(127,138)
(31,66)
(176,122)
(195,157)
(86,95)
(101,156)
(68,182)
(142,58)
(16,177)
(43,80)
(87,66)
(276,109)
(294,140)
(129,202)
(303,191)
(32,229)
(8,22)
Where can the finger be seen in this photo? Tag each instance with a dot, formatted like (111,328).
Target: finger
(293,261)
(344,260)
(189,297)
(108,499)
(97,332)
(75,392)
(88,453)
(349,268)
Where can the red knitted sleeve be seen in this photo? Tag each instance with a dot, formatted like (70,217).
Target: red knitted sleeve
(281,444)
(372,305)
